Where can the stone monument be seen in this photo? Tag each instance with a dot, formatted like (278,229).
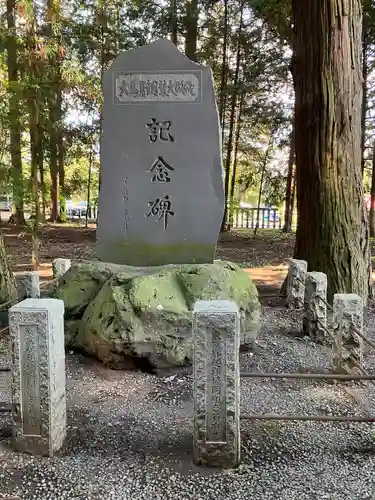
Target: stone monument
(38,375)
(216,384)
(161,194)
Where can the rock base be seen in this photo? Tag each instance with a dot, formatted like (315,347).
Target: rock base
(120,313)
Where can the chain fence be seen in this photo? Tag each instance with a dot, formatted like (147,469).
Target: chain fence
(362,376)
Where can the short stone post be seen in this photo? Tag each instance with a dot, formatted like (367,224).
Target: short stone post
(295,288)
(38,375)
(28,286)
(347,313)
(315,310)
(60,267)
(216,384)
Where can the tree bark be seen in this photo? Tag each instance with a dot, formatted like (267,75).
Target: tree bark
(365,47)
(223,77)
(290,184)
(174,31)
(372,206)
(191,25)
(14,115)
(8,290)
(61,157)
(332,232)
(36,131)
(42,184)
(54,105)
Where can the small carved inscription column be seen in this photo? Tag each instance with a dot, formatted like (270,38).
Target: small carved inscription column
(60,267)
(28,286)
(315,311)
(216,340)
(295,289)
(38,375)
(347,317)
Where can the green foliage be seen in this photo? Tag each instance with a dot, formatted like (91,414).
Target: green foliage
(63,48)
(277,14)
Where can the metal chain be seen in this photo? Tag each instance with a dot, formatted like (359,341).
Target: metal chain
(317,296)
(325,328)
(324,302)
(6,305)
(4,330)
(363,337)
(47,283)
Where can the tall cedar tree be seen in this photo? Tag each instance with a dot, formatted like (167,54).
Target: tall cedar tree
(14,114)
(54,122)
(332,233)
(191,26)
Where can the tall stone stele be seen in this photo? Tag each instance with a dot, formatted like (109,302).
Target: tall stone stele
(161,194)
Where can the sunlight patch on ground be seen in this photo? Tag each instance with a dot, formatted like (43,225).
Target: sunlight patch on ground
(271,275)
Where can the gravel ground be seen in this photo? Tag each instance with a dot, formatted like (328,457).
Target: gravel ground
(130,433)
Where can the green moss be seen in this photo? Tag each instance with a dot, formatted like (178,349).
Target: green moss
(147,311)
(137,252)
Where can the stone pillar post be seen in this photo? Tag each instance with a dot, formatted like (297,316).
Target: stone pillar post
(38,375)
(28,286)
(60,267)
(295,288)
(315,310)
(216,385)
(347,312)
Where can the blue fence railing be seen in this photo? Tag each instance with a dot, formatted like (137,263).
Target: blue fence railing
(268,218)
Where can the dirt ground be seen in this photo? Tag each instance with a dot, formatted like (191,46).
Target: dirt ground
(265,257)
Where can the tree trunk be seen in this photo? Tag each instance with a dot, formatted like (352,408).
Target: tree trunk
(14,115)
(365,47)
(191,25)
(35,145)
(42,184)
(54,106)
(174,31)
(88,209)
(232,120)
(36,133)
(223,77)
(8,290)
(235,158)
(372,206)
(61,158)
(290,184)
(332,231)
(265,161)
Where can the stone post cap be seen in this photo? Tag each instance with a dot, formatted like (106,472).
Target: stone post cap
(215,306)
(55,305)
(316,275)
(346,296)
(297,262)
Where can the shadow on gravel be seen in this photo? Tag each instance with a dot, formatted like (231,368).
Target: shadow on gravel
(124,438)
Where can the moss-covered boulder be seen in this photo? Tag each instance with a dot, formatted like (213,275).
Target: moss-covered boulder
(118,313)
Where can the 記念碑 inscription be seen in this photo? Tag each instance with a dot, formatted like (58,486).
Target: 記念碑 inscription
(160,170)
(159,130)
(161,209)
(216,425)
(176,86)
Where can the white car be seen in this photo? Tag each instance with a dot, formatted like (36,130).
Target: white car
(5,203)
